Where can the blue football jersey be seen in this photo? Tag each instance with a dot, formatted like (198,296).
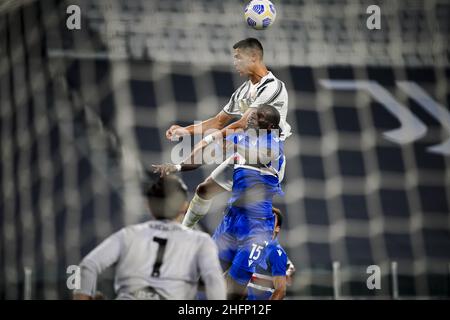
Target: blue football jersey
(254,185)
(274,264)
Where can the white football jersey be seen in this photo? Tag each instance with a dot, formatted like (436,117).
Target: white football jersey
(269,90)
(163,255)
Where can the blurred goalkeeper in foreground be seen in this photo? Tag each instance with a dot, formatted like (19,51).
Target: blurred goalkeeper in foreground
(148,255)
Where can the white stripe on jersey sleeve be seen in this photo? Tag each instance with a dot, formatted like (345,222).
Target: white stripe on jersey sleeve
(270,93)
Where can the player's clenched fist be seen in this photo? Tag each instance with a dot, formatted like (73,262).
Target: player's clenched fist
(164,169)
(176,131)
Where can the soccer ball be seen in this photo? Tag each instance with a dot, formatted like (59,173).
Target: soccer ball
(260,14)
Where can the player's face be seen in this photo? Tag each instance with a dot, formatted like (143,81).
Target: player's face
(262,123)
(257,120)
(242,61)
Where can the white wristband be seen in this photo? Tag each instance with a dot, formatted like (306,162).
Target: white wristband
(208,139)
(178,167)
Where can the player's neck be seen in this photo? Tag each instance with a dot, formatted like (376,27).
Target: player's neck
(258,73)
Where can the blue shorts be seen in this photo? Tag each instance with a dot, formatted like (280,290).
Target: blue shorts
(241,241)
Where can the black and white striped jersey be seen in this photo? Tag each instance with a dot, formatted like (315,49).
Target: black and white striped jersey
(269,90)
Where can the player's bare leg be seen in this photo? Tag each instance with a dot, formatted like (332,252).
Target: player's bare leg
(201,202)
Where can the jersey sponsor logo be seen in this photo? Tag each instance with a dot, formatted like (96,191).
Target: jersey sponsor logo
(243,105)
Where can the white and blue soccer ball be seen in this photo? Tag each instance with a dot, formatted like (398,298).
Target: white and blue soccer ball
(260,14)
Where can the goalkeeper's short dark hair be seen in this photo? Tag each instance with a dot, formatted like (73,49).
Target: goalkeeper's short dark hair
(166,196)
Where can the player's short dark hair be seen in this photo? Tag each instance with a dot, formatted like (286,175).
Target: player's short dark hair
(279,215)
(166,196)
(250,43)
(271,115)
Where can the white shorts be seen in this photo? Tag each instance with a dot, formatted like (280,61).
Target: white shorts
(223,174)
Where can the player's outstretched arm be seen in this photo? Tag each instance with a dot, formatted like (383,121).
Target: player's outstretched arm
(240,124)
(187,165)
(170,168)
(217,122)
(103,256)
(279,283)
(222,134)
(278,261)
